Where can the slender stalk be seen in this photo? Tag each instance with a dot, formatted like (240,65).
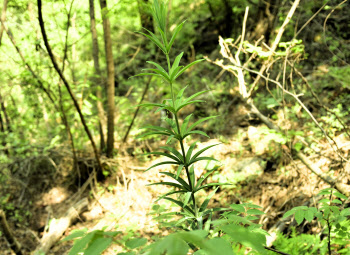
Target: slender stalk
(168,60)
(329,236)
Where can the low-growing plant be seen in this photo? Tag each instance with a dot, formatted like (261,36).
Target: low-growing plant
(331,214)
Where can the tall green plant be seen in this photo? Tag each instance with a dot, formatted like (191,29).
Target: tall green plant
(185,183)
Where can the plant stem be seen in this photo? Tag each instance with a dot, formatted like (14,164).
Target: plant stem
(168,60)
(329,236)
(187,171)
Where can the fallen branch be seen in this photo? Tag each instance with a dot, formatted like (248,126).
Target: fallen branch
(59,226)
(11,239)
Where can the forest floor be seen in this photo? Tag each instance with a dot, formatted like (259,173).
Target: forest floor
(123,201)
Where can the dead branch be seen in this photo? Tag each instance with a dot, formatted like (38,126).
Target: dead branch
(274,45)
(58,226)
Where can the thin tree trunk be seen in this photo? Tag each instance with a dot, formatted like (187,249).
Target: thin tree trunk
(3,18)
(110,80)
(98,77)
(58,70)
(63,113)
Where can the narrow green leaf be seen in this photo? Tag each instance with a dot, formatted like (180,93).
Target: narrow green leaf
(190,150)
(206,201)
(179,96)
(173,74)
(187,198)
(203,150)
(182,105)
(155,40)
(196,132)
(176,31)
(152,133)
(211,185)
(144,74)
(173,151)
(196,95)
(192,176)
(152,105)
(175,64)
(173,125)
(164,75)
(162,163)
(179,203)
(165,40)
(162,129)
(172,184)
(157,65)
(178,179)
(205,176)
(188,66)
(178,172)
(169,193)
(164,154)
(185,124)
(169,139)
(200,121)
(202,158)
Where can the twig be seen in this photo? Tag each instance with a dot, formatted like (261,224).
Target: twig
(137,110)
(274,250)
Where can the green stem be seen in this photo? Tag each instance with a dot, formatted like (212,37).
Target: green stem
(168,60)
(186,168)
(329,236)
